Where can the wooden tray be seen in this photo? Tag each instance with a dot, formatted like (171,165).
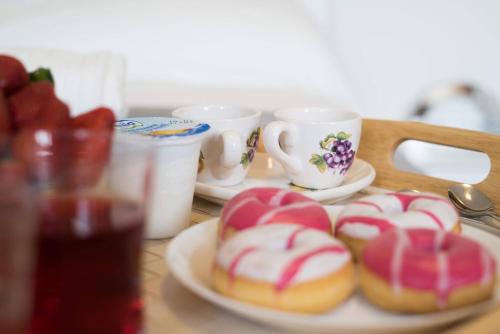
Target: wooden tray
(380,138)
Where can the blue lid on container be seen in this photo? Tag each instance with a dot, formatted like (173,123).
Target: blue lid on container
(163,130)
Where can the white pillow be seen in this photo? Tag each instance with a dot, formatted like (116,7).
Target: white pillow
(266,54)
(84,81)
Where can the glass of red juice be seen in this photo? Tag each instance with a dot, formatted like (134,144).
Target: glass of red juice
(87,273)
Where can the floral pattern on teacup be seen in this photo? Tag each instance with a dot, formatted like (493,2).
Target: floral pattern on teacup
(336,153)
(252,141)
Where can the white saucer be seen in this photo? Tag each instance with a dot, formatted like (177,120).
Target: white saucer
(266,172)
(190,257)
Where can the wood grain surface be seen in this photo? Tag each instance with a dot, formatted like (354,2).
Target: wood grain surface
(380,138)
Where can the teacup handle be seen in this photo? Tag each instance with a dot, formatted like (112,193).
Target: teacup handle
(271,138)
(232,149)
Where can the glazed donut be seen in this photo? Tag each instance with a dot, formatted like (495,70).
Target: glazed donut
(423,270)
(366,218)
(260,206)
(284,266)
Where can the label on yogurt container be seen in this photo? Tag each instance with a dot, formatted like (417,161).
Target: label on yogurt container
(161,127)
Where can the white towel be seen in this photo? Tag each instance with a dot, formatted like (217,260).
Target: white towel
(83,80)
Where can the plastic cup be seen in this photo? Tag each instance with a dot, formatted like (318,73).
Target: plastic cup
(89,236)
(176,144)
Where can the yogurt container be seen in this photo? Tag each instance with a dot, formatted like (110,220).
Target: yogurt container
(176,146)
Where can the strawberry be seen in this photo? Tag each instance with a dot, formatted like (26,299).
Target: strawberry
(11,172)
(14,196)
(91,146)
(98,119)
(37,113)
(28,105)
(13,75)
(5,126)
(42,151)
(54,113)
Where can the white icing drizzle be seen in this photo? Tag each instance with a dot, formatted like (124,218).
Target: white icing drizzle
(394,214)
(278,197)
(402,242)
(236,207)
(438,241)
(269,214)
(486,264)
(270,259)
(443,281)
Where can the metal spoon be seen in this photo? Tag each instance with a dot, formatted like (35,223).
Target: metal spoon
(477,219)
(472,201)
(481,225)
(470,197)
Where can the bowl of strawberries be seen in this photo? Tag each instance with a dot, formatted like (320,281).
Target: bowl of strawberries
(36,129)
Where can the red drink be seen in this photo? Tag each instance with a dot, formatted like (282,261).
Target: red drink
(87,275)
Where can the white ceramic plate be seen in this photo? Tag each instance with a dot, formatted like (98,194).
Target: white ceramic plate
(266,172)
(190,257)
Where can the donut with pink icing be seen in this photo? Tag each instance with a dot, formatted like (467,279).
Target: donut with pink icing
(366,218)
(261,206)
(284,266)
(424,270)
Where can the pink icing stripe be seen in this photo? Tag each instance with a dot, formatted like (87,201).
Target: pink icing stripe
(268,216)
(231,211)
(376,206)
(291,240)
(380,223)
(293,268)
(432,216)
(234,263)
(407,199)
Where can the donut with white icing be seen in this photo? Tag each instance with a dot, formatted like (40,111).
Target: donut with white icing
(423,270)
(261,206)
(366,218)
(284,266)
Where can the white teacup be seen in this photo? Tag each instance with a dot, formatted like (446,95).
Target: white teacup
(316,146)
(229,148)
